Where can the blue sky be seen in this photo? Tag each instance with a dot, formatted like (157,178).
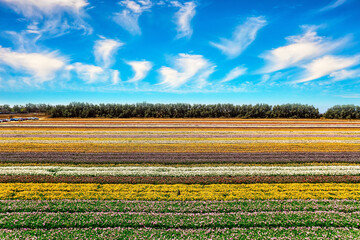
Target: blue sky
(234,51)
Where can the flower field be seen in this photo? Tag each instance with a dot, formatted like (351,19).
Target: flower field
(180,179)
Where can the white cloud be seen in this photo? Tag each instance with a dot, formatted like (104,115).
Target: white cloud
(104,50)
(265,78)
(41,66)
(141,69)
(326,65)
(115,77)
(234,73)
(272,79)
(24,41)
(345,74)
(350,96)
(52,17)
(128,18)
(88,73)
(333,5)
(203,76)
(186,67)
(38,8)
(301,48)
(183,18)
(243,36)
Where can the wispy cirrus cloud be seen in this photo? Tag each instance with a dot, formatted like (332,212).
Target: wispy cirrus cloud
(326,65)
(350,96)
(104,50)
(37,67)
(243,35)
(186,68)
(115,78)
(51,17)
(333,5)
(300,49)
(88,73)
(128,18)
(234,74)
(345,74)
(183,18)
(140,68)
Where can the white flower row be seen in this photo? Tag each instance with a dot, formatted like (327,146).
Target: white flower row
(181,171)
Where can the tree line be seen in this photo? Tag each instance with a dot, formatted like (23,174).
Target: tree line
(343,112)
(28,108)
(183,110)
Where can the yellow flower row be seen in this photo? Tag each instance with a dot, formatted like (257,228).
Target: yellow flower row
(179,147)
(179,191)
(154,139)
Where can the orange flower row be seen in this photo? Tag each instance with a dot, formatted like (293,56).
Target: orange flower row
(182,147)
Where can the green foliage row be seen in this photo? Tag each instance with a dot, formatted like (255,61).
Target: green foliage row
(343,112)
(183,110)
(28,108)
(179,220)
(72,206)
(151,233)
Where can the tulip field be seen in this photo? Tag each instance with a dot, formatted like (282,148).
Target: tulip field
(180,179)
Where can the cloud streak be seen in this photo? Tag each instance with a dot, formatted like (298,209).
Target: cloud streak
(345,74)
(87,72)
(186,68)
(326,65)
(243,35)
(140,68)
(41,67)
(51,17)
(183,19)
(300,49)
(128,18)
(333,5)
(104,50)
(234,74)
(115,78)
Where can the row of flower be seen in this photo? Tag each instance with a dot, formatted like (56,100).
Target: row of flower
(56,157)
(197,120)
(181,171)
(171,233)
(77,206)
(180,191)
(183,147)
(190,123)
(176,141)
(184,127)
(177,180)
(180,131)
(100,199)
(50,220)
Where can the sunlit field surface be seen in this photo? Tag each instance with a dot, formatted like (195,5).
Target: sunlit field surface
(180,179)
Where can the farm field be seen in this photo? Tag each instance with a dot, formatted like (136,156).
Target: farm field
(180,179)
